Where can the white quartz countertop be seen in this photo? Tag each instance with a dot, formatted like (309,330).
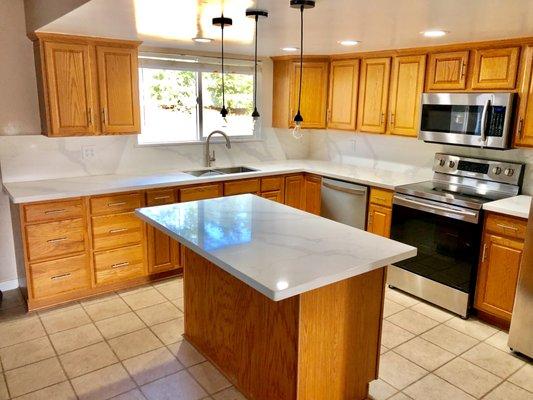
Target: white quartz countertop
(517,206)
(276,249)
(53,189)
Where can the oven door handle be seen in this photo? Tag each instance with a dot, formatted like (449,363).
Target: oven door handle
(418,204)
(484,114)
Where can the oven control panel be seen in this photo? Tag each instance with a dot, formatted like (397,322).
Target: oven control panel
(478,168)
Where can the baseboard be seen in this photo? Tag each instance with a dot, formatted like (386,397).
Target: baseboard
(9,285)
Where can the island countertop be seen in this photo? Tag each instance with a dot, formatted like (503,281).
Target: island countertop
(276,249)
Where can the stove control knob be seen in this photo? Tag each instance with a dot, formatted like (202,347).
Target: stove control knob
(451,164)
(509,172)
(442,161)
(496,170)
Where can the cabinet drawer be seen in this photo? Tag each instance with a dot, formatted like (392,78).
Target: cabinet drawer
(119,265)
(160,197)
(53,211)
(506,226)
(271,183)
(200,192)
(116,230)
(274,195)
(381,197)
(116,203)
(241,187)
(56,277)
(55,239)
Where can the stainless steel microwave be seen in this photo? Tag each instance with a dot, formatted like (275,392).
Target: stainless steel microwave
(467,119)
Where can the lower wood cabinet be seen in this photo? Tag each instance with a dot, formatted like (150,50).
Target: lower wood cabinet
(312,187)
(380,212)
(120,264)
(294,191)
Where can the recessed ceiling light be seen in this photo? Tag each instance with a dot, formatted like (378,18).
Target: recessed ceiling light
(348,42)
(434,33)
(202,40)
(289,48)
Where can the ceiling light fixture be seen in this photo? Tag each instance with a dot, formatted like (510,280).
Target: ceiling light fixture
(434,33)
(256,14)
(348,42)
(222,22)
(290,49)
(202,40)
(301,5)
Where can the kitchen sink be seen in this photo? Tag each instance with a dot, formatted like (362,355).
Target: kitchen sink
(235,170)
(220,171)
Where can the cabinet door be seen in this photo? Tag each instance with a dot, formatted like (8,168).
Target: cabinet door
(407,86)
(498,275)
(314,93)
(343,87)
(294,191)
(447,71)
(69,89)
(524,131)
(312,194)
(379,220)
(163,252)
(119,89)
(495,68)
(274,195)
(373,94)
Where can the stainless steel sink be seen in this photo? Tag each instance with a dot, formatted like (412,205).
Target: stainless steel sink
(220,171)
(204,172)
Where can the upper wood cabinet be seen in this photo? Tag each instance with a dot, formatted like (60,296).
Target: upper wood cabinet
(524,126)
(314,93)
(343,90)
(87,86)
(495,68)
(447,71)
(373,94)
(407,84)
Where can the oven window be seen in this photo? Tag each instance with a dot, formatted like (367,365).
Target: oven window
(464,120)
(448,249)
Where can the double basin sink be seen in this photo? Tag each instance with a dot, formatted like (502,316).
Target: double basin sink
(220,171)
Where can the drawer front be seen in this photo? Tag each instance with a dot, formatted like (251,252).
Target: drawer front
(241,187)
(53,211)
(275,195)
(119,265)
(160,197)
(116,203)
(55,239)
(61,276)
(381,197)
(115,230)
(507,226)
(271,183)
(200,192)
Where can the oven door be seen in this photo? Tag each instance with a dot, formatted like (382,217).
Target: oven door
(471,119)
(447,239)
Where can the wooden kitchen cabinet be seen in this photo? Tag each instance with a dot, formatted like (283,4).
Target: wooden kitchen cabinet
(295,191)
(312,188)
(373,94)
(273,188)
(524,126)
(407,85)
(200,192)
(380,212)
(232,188)
(495,68)
(87,86)
(343,91)
(447,71)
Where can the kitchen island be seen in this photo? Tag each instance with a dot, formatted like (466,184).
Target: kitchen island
(286,304)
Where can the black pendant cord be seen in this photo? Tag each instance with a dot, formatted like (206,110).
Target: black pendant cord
(223,111)
(301,55)
(255,114)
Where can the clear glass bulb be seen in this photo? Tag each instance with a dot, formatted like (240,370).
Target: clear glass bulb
(256,123)
(297,131)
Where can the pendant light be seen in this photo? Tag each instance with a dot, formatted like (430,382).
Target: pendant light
(222,22)
(256,14)
(301,5)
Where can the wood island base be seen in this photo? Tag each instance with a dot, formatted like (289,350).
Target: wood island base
(320,345)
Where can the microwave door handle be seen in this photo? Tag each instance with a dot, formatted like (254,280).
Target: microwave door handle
(484,121)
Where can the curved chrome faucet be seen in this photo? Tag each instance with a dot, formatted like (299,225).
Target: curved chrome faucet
(211,158)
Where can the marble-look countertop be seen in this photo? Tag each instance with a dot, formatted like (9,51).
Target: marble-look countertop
(53,189)
(276,249)
(518,206)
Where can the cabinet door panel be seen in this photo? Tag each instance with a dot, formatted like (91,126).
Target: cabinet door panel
(69,89)
(294,191)
(495,68)
(274,195)
(119,89)
(373,94)
(524,133)
(447,71)
(379,220)
(314,93)
(312,194)
(343,88)
(407,87)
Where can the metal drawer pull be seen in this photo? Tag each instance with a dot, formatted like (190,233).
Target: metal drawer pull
(57,240)
(118,230)
(161,197)
(484,252)
(58,277)
(118,203)
(513,228)
(55,211)
(121,265)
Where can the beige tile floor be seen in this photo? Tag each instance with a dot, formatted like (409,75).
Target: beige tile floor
(128,346)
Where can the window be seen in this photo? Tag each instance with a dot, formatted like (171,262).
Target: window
(181,99)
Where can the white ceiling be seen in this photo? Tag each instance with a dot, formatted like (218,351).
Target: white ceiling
(378,24)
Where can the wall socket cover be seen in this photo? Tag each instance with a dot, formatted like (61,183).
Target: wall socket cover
(88,152)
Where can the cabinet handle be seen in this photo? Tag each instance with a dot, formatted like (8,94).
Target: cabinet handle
(463,67)
(58,277)
(104,119)
(513,228)
(58,211)
(371,217)
(328,112)
(484,252)
(161,197)
(90,116)
(392,119)
(118,230)
(520,128)
(120,265)
(57,240)
(118,203)
(382,118)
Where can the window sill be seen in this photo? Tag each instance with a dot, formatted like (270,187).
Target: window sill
(202,143)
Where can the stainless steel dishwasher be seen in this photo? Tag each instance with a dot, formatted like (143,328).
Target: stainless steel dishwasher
(344,202)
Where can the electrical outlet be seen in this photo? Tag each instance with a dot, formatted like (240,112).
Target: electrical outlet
(354,148)
(88,152)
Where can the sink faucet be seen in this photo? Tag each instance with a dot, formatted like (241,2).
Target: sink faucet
(211,158)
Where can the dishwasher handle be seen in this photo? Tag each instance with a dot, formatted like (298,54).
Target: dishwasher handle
(357,192)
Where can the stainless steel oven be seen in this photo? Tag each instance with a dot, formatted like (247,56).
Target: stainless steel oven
(468,119)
